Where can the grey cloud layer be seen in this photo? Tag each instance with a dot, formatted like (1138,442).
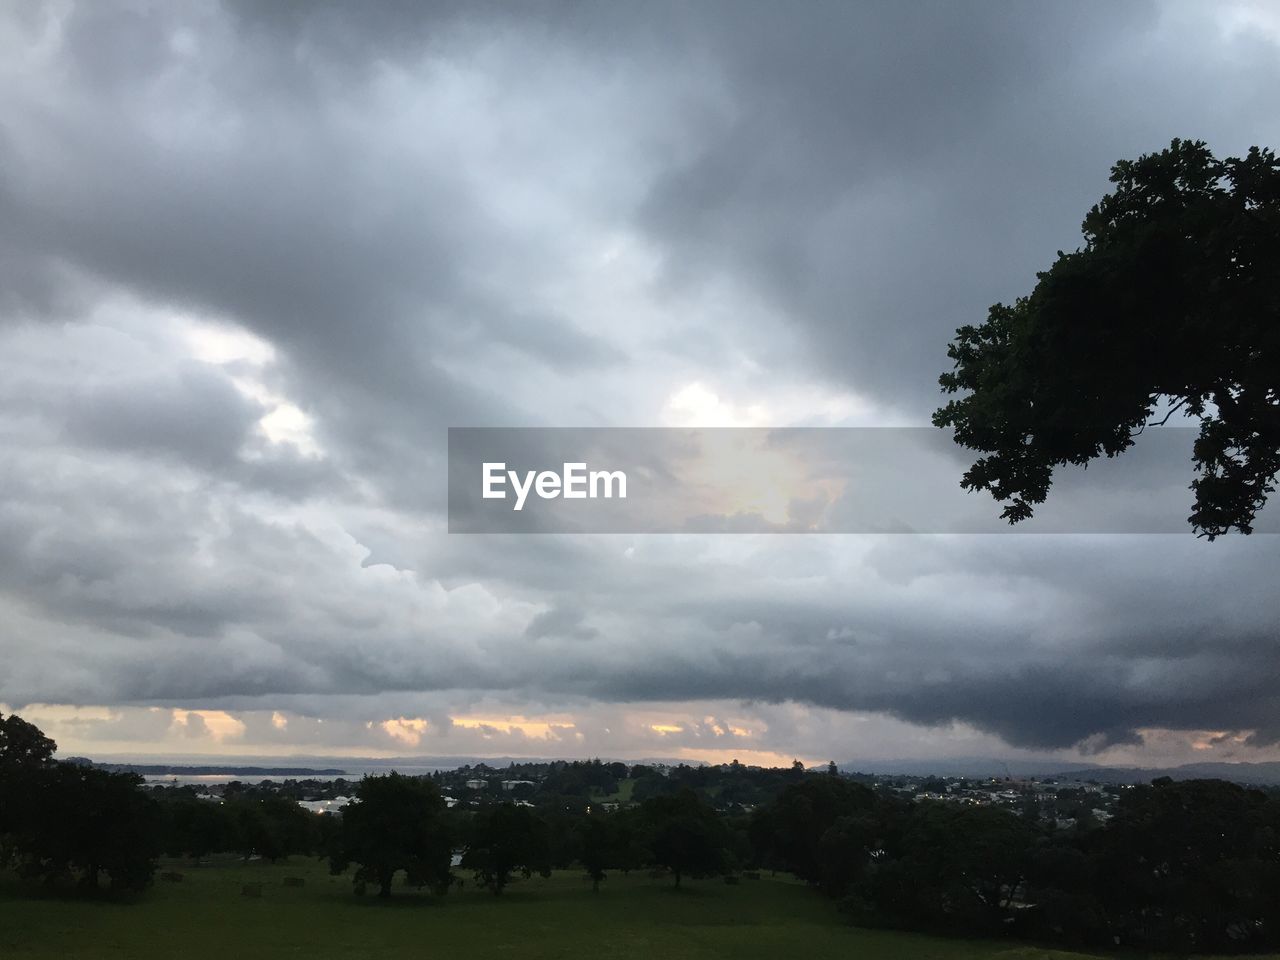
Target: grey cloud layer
(468,215)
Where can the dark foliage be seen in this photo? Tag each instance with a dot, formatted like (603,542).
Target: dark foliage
(394,824)
(506,840)
(197,828)
(598,847)
(70,822)
(1182,866)
(1189,866)
(272,827)
(822,829)
(23,747)
(685,836)
(951,868)
(1172,304)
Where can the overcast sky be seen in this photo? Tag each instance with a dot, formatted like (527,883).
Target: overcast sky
(256,258)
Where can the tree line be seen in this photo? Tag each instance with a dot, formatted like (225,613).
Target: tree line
(1191,865)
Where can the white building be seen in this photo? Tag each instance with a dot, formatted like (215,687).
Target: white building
(324,806)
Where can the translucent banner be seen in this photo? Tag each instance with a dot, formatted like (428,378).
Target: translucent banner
(791,480)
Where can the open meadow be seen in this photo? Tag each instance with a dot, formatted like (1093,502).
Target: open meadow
(206,915)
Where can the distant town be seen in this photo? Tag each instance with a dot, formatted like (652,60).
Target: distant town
(1063,801)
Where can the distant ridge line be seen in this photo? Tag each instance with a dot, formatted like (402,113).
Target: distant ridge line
(1266,773)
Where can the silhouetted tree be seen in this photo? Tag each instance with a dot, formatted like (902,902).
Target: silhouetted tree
(788,834)
(954,868)
(197,828)
(505,840)
(630,839)
(272,827)
(23,746)
(395,823)
(65,821)
(1174,299)
(79,822)
(598,846)
(1190,866)
(24,752)
(686,837)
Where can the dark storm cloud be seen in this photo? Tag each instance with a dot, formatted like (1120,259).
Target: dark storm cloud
(885,173)
(1045,642)
(415,207)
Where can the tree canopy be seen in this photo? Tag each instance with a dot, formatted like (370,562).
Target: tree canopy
(1171,306)
(395,823)
(686,836)
(598,847)
(70,821)
(22,745)
(809,821)
(505,840)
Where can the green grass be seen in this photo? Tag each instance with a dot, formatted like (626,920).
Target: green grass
(623,794)
(206,916)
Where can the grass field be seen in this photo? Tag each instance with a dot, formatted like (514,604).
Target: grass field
(625,789)
(207,916)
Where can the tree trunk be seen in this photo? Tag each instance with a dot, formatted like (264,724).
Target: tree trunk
(384,884)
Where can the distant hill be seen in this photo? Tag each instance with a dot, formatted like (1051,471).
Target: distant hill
(207,770)
(310,766)
(967,767)
(1257,774)
(1250,774)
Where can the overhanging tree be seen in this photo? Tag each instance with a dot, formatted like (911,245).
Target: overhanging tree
(1171,307)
